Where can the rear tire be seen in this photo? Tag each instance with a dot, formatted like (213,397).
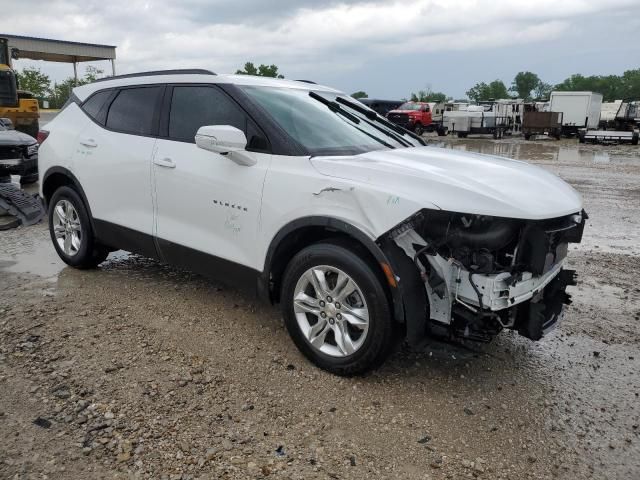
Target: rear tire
(71,231)
(345,331)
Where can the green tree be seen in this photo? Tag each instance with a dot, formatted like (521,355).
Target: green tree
(498,89)
(542,90)
(91,74)
(482,91)
(261,71)
(630,85)
(360,94)
(524,83)
(34,81)
(428,95)
(60,92)
(611,87)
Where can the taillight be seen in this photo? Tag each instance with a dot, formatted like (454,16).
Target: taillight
(42,136)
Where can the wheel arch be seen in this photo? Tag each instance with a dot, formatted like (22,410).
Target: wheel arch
(56,177)
(302,232)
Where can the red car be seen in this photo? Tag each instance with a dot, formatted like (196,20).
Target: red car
(415,116)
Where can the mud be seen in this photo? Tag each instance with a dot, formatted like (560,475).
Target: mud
(139,370)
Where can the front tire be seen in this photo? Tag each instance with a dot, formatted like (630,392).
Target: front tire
(418,129)
(71,231)
(336,309)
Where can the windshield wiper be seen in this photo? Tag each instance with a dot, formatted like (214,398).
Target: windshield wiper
(371,115)
(368,118)
(335,107)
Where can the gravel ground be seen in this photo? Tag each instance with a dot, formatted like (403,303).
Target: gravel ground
(139,370)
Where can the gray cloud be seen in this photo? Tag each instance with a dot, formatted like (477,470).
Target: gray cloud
(351,44)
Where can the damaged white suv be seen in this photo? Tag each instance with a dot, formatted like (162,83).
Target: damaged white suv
(312,200)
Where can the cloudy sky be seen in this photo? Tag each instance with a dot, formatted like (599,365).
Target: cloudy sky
(386,48)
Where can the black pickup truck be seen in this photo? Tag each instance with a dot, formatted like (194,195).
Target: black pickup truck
(18,154)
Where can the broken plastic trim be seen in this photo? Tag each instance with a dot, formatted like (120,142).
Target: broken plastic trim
(476,303)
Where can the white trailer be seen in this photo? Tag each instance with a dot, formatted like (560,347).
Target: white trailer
(608,113)
(579,110)
(474,119)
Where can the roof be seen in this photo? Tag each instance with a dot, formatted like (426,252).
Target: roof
(85,90)
(51,50)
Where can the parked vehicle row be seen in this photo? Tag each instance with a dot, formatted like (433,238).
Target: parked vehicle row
(567,114)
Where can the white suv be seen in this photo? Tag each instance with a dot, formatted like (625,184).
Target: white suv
(312,200)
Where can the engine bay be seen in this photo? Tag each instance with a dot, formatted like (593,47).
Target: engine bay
(482,274)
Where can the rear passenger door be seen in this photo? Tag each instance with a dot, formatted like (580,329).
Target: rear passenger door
(207,206)
(113,164)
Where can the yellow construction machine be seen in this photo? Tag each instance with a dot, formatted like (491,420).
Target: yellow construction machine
(17,105)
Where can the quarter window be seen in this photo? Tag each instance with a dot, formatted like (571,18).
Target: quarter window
(94,105)
(132,110)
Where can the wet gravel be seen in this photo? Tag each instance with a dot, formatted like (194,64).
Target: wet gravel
(139,370)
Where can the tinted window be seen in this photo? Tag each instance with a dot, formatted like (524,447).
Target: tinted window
(319,127)
(195,106)
(94,105)
(132,110)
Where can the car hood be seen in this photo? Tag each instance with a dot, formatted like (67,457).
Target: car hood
(15,138)
(459,181)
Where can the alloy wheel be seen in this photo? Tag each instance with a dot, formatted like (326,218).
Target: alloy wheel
(331,311)
(67,227)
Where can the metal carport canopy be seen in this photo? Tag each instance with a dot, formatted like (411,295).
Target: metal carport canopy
(36,48)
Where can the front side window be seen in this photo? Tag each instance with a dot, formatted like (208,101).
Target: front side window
(132,110)
(195,106)
(323,126)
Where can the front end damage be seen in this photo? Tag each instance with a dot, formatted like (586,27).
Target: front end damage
(471,276)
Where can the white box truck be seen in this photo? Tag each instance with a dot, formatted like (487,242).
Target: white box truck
(579,110)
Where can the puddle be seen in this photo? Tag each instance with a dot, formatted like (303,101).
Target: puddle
(29,250)
(548,150)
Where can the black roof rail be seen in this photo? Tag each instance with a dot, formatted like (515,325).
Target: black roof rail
(183,71)
(307,81)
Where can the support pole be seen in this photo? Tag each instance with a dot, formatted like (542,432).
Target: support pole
(75,72)
(113,67)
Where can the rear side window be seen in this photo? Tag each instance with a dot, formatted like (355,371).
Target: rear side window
(95,104)
(132,111)
(195,106)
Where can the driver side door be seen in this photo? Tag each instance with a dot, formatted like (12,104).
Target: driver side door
(206,206)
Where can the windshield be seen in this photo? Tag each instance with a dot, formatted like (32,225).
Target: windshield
(410,106)
(322,125)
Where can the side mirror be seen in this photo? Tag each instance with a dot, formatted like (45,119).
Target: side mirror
(225,140)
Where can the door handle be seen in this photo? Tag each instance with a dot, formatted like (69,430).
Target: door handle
(88,142)
(164,162)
